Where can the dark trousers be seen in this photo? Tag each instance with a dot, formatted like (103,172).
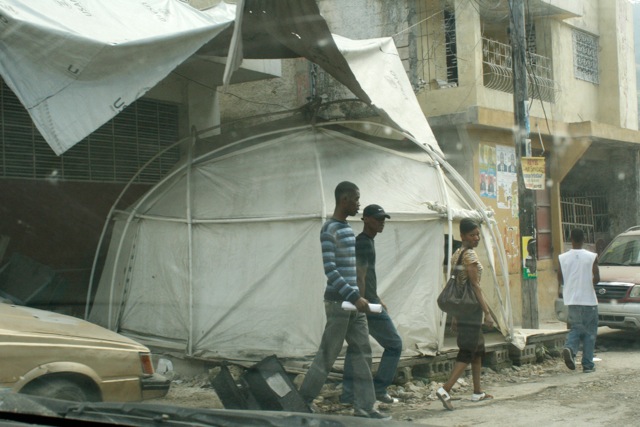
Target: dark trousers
(381,328)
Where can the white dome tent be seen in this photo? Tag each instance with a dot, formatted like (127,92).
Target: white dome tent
(222,258)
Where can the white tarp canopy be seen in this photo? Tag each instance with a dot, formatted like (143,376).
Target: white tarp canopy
(222,259)
(75,65)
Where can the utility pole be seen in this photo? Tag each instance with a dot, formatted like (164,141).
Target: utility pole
(526,198)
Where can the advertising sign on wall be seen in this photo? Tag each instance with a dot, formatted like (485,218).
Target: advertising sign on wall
(533,173)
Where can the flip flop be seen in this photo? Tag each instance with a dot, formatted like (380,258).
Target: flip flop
(444,398)
(480,396)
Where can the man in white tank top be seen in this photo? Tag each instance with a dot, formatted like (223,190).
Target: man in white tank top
(579,273)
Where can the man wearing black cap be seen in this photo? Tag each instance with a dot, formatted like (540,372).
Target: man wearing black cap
(381,327)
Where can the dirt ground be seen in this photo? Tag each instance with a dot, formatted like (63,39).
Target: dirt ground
(546,393)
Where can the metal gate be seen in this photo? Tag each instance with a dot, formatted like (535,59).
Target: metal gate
(588,212)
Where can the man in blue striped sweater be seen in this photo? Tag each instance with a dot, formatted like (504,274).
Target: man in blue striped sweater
(339,258)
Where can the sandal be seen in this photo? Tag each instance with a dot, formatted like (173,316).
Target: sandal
(444,398)
(480,396)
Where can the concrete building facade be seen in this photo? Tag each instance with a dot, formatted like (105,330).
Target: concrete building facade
(582,110)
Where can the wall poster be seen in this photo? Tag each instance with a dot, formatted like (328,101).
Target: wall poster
(488,179)
(507,178)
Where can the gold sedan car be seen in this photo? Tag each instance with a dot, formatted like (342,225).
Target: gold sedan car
(62,357)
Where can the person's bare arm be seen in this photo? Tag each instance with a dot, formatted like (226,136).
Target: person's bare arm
(595,270)
(560,278)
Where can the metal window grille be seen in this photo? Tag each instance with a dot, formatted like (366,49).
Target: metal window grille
(113,153)
(532,46)
(438,58)
(450,46)
(498,71)
(585,56)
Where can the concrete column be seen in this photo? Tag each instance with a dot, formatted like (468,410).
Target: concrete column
(617,88)
(203,108)
(566,153)
(469,44)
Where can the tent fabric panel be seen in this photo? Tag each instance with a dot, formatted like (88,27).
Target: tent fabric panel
(258,289)
(109,293)
(157,301)
(404,184)
(276,189)
(409,269)
(167,200)
(387,84)
(285,29)
(275,179)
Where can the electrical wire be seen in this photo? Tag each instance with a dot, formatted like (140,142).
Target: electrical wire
(217,89)
(416,24)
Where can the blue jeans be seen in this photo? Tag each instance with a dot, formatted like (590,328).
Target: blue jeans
(381,328)
(583,320)
(342,325)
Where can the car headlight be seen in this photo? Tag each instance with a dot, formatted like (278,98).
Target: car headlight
(635,292)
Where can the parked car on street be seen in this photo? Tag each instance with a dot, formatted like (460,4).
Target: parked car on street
(618,291)
(62,357)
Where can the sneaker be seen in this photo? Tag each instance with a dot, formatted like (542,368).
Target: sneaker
(385,398)
(589,370)
(569,358)
(372,414)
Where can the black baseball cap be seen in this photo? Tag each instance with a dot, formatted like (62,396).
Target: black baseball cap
(375,211)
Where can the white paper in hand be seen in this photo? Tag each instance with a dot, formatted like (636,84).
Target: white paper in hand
(374,308)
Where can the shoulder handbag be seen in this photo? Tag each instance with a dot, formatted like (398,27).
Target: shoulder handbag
(455,299)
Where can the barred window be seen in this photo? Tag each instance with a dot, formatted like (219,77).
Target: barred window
(113,153)
(585,56)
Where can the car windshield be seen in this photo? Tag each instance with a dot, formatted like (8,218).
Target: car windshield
(623,250)
(255,204)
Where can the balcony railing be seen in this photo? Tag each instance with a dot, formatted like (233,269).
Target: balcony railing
(498,73)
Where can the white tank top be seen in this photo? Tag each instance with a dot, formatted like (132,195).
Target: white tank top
(577,274)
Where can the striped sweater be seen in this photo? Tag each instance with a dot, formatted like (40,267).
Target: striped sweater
(339,258)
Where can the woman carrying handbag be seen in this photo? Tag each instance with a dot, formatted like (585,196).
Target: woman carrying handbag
(469,324)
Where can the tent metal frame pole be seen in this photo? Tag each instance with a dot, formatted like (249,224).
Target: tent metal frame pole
(190,238)
(323,218)
(443,317)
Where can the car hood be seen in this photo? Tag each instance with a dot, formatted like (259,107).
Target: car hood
(625,274)
(25,321)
